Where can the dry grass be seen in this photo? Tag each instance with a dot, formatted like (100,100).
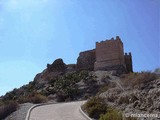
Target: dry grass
(137,79)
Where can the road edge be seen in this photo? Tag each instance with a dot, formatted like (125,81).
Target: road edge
(37,105)
(34,106)
(83,113)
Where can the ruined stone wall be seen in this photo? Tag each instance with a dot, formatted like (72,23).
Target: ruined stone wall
(128,62)
(86,60)
(108,53)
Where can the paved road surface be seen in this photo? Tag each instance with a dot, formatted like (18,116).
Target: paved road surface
(62,111)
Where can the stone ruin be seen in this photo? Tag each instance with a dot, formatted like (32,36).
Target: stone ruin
(108,55)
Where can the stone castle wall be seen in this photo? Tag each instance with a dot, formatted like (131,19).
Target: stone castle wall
(86,60)
(128,62)
(108,55)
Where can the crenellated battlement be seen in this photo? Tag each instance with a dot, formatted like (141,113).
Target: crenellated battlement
(111,41)
(126,54)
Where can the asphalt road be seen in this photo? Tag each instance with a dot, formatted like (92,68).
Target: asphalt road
(62,111)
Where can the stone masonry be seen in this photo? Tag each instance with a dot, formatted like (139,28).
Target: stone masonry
(86,60)
(108,55)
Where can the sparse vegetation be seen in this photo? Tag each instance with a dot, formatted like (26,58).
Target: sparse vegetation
(33,98)
(95,107)
(137,79)
(112,114)
(38,98)
(65,86)
(83,74)
(1,102)
(7,109)
(157,70)
(105,87)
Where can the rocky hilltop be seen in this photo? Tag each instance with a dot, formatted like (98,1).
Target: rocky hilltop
(106,80)
(128,93)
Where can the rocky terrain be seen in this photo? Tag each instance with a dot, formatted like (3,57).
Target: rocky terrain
(21,112)
(57,83)
(128,93)
(137,93)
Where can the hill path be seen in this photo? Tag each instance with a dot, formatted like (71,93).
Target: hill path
(61,111)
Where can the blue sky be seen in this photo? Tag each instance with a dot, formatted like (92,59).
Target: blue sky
(36,32)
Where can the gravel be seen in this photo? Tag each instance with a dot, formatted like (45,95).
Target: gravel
(21,113)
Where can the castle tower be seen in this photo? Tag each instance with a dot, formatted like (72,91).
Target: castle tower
(109,53)
(128,62)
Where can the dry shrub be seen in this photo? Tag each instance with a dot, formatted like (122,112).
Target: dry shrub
(23,99)
(123,99)
(95,107)
(137,79)
(38,99)
(7,109)
(106,87)
(112,114)
(33,98)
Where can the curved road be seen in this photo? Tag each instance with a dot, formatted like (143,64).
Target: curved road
(60,111)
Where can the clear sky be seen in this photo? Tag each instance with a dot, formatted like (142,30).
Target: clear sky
(36,32)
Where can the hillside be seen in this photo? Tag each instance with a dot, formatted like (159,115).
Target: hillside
(134,96)
(58,83)
(132,92)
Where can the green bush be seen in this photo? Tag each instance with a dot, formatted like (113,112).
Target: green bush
(95,107)
(112,114)
(83,74)
(7,109)
(66,85)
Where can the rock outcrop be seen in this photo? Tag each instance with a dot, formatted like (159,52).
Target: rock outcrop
(57,66)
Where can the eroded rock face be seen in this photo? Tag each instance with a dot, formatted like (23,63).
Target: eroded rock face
(57,66)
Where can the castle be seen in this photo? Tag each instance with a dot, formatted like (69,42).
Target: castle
(108,55)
